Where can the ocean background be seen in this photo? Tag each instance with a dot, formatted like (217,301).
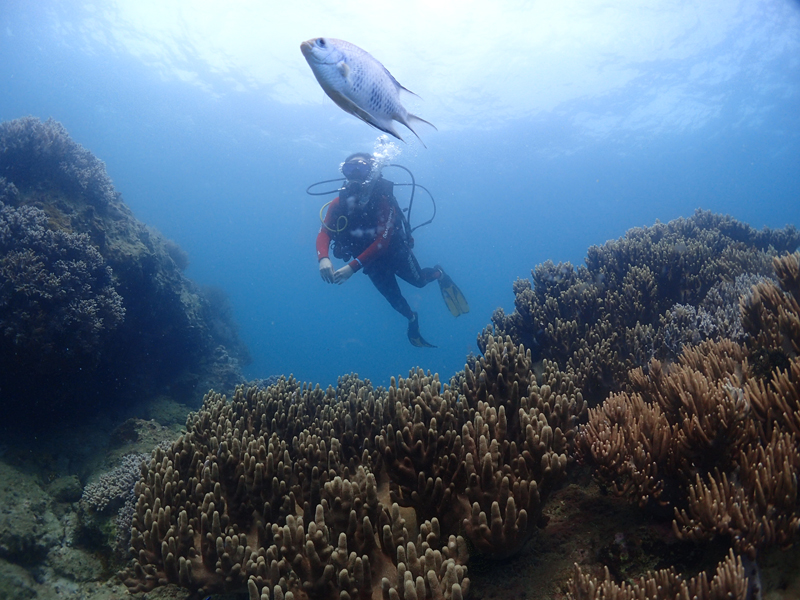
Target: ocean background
(560,126)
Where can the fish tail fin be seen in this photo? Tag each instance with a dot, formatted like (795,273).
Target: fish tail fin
(389,128)
(409,118)
(417,119)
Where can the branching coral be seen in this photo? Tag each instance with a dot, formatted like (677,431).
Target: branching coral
(712,438)
(483,460)
(260,495)
(287,486)
(604,319)
(729,582)
(717,317)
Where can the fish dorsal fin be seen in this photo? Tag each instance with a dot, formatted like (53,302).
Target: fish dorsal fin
(344,69)
(397,83)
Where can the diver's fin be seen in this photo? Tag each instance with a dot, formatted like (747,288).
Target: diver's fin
(456,302)
(414,336)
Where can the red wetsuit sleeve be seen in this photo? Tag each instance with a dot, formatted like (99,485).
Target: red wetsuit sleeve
(387,215)
(324,236)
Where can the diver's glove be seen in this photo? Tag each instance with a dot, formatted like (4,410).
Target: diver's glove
(413,333)
(326,270)
(343,274)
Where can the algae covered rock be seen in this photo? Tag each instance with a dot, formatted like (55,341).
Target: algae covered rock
(93,303)
(28,527)
(66,489)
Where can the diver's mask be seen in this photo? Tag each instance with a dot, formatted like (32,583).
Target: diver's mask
(357,170)
(358,188)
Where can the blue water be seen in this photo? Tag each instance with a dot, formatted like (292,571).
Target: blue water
(222,168)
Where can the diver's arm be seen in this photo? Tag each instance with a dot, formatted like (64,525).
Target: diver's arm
(324,244)
(384,232)
(324,236)
(326,270)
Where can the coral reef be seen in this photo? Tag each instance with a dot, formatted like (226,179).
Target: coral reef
(287,491)
(286,486)
(34,152)
(57,295)
(93,303)
(484,460)
(261,496)
(729,581)
(713,440)
(623,308)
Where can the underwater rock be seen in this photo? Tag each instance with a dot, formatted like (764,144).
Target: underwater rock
(95,305)
(16,583)
(75,564)
(66,489)
(28,527)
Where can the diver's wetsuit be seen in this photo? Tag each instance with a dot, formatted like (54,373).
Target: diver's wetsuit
(375,235)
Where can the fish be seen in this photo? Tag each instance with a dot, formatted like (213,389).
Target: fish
(359,84)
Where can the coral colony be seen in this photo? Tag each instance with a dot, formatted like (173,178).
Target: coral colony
(666,370)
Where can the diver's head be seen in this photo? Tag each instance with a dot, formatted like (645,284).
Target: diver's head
(358,167)
(361,171)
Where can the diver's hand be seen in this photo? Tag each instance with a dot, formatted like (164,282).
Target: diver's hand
(326,270)
(343,274)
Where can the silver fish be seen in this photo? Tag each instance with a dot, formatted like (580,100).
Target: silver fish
(359,84)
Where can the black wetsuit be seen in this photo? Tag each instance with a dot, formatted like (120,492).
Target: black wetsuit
(377,239)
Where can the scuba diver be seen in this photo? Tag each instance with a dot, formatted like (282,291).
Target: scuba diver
(369,229)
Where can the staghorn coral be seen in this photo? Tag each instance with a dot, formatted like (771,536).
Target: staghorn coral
(729,582)
(621,309)
(711,438)
(57,294)
(261,496)
(311,490)
(482,461)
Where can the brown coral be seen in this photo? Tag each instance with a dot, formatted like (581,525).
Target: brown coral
(286,486)
(729,582)
(258,495)
(628,304)
(711,437)
(484,460)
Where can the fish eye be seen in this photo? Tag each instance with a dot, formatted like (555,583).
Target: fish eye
(321,42)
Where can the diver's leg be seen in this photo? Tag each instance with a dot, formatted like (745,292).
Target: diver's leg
(407,268)
(385,282)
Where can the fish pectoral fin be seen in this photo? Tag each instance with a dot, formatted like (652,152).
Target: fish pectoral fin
(348,105)
(351,107)
(344,68)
